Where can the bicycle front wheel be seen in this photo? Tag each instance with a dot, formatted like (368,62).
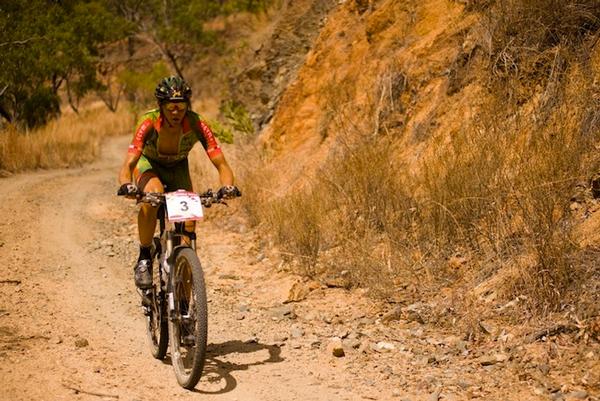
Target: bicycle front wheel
(188,324)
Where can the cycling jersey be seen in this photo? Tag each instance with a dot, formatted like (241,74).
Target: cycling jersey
(147,136)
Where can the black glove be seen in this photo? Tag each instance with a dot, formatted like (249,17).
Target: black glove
(127,189)
(228,192)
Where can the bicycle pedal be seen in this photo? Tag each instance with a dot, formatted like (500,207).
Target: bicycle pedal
(146,298)
(188,340)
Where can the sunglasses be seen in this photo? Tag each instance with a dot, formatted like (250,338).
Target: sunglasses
(180,106)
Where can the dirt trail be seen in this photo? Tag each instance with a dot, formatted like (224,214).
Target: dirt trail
(70,324)
(71,327)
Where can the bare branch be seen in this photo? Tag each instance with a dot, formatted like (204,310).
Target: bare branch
(19,42)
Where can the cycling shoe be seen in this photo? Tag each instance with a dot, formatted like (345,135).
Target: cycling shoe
(143,274)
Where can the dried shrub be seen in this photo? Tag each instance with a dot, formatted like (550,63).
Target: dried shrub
(71,140)
(534,42)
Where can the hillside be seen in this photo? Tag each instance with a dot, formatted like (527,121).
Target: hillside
(415,85)
(428,154)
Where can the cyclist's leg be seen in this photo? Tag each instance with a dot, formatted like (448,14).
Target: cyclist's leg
(147,213)
(147,180)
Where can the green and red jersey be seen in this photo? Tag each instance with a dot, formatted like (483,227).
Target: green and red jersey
(147,136)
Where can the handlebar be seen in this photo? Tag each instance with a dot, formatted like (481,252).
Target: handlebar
(207,198)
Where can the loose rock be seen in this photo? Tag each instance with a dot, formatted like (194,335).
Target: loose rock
(299,291)
(416,312)
(251,340)
(280,338)
(383,346)
(335,347)
(488,328)
(351,343)
(488,360)
(577,395)
(56,340)
(282,311)
(394,314)
(296,331)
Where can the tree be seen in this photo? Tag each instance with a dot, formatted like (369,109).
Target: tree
(47,44)
(177,27)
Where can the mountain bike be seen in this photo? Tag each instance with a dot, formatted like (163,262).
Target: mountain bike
(176,307)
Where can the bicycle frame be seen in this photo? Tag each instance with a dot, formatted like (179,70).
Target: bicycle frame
(171,235)
(168,235)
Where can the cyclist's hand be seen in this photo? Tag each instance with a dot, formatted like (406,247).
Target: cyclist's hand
(228,192)
(128,189)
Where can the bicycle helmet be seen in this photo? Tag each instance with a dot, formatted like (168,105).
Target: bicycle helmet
(173,89)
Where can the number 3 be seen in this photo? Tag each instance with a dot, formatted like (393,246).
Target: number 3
(184,206)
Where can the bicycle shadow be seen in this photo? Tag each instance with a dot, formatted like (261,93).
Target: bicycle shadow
(218,371)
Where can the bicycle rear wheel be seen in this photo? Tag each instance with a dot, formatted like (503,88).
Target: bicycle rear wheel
(188,324)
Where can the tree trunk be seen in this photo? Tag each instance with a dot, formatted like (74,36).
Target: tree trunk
(168,56)
(70,98)
(173,60)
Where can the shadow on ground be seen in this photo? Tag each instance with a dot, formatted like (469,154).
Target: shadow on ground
(219,372)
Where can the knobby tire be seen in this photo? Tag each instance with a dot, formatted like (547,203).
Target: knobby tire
(188,327)
(156,322)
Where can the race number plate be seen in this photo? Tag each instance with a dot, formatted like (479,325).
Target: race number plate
(183,205)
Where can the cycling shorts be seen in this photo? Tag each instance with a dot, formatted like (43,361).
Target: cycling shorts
(173,177)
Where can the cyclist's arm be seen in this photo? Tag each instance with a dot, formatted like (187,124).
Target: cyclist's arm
(126,173)
(134,152)
(225,172)
(215,154)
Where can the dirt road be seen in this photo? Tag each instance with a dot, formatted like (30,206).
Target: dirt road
(70,322)
(71,327)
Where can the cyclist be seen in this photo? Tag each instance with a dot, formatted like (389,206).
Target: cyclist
(158,158)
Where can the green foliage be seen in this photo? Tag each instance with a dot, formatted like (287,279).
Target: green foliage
(39,106)
(233,6)
(46,44)
(177,26)
(238,117)
(140,85)
(223,133)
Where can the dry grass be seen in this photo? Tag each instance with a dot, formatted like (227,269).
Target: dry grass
(491,203)
(495,195)
(534,42)
(504,193)
(68,141)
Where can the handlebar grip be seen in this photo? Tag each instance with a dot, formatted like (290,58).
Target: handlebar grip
(128,189)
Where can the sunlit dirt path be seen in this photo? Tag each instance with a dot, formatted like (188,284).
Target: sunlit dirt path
(70,324)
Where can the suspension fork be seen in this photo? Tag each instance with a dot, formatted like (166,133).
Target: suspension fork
(169,266)
(192,237)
